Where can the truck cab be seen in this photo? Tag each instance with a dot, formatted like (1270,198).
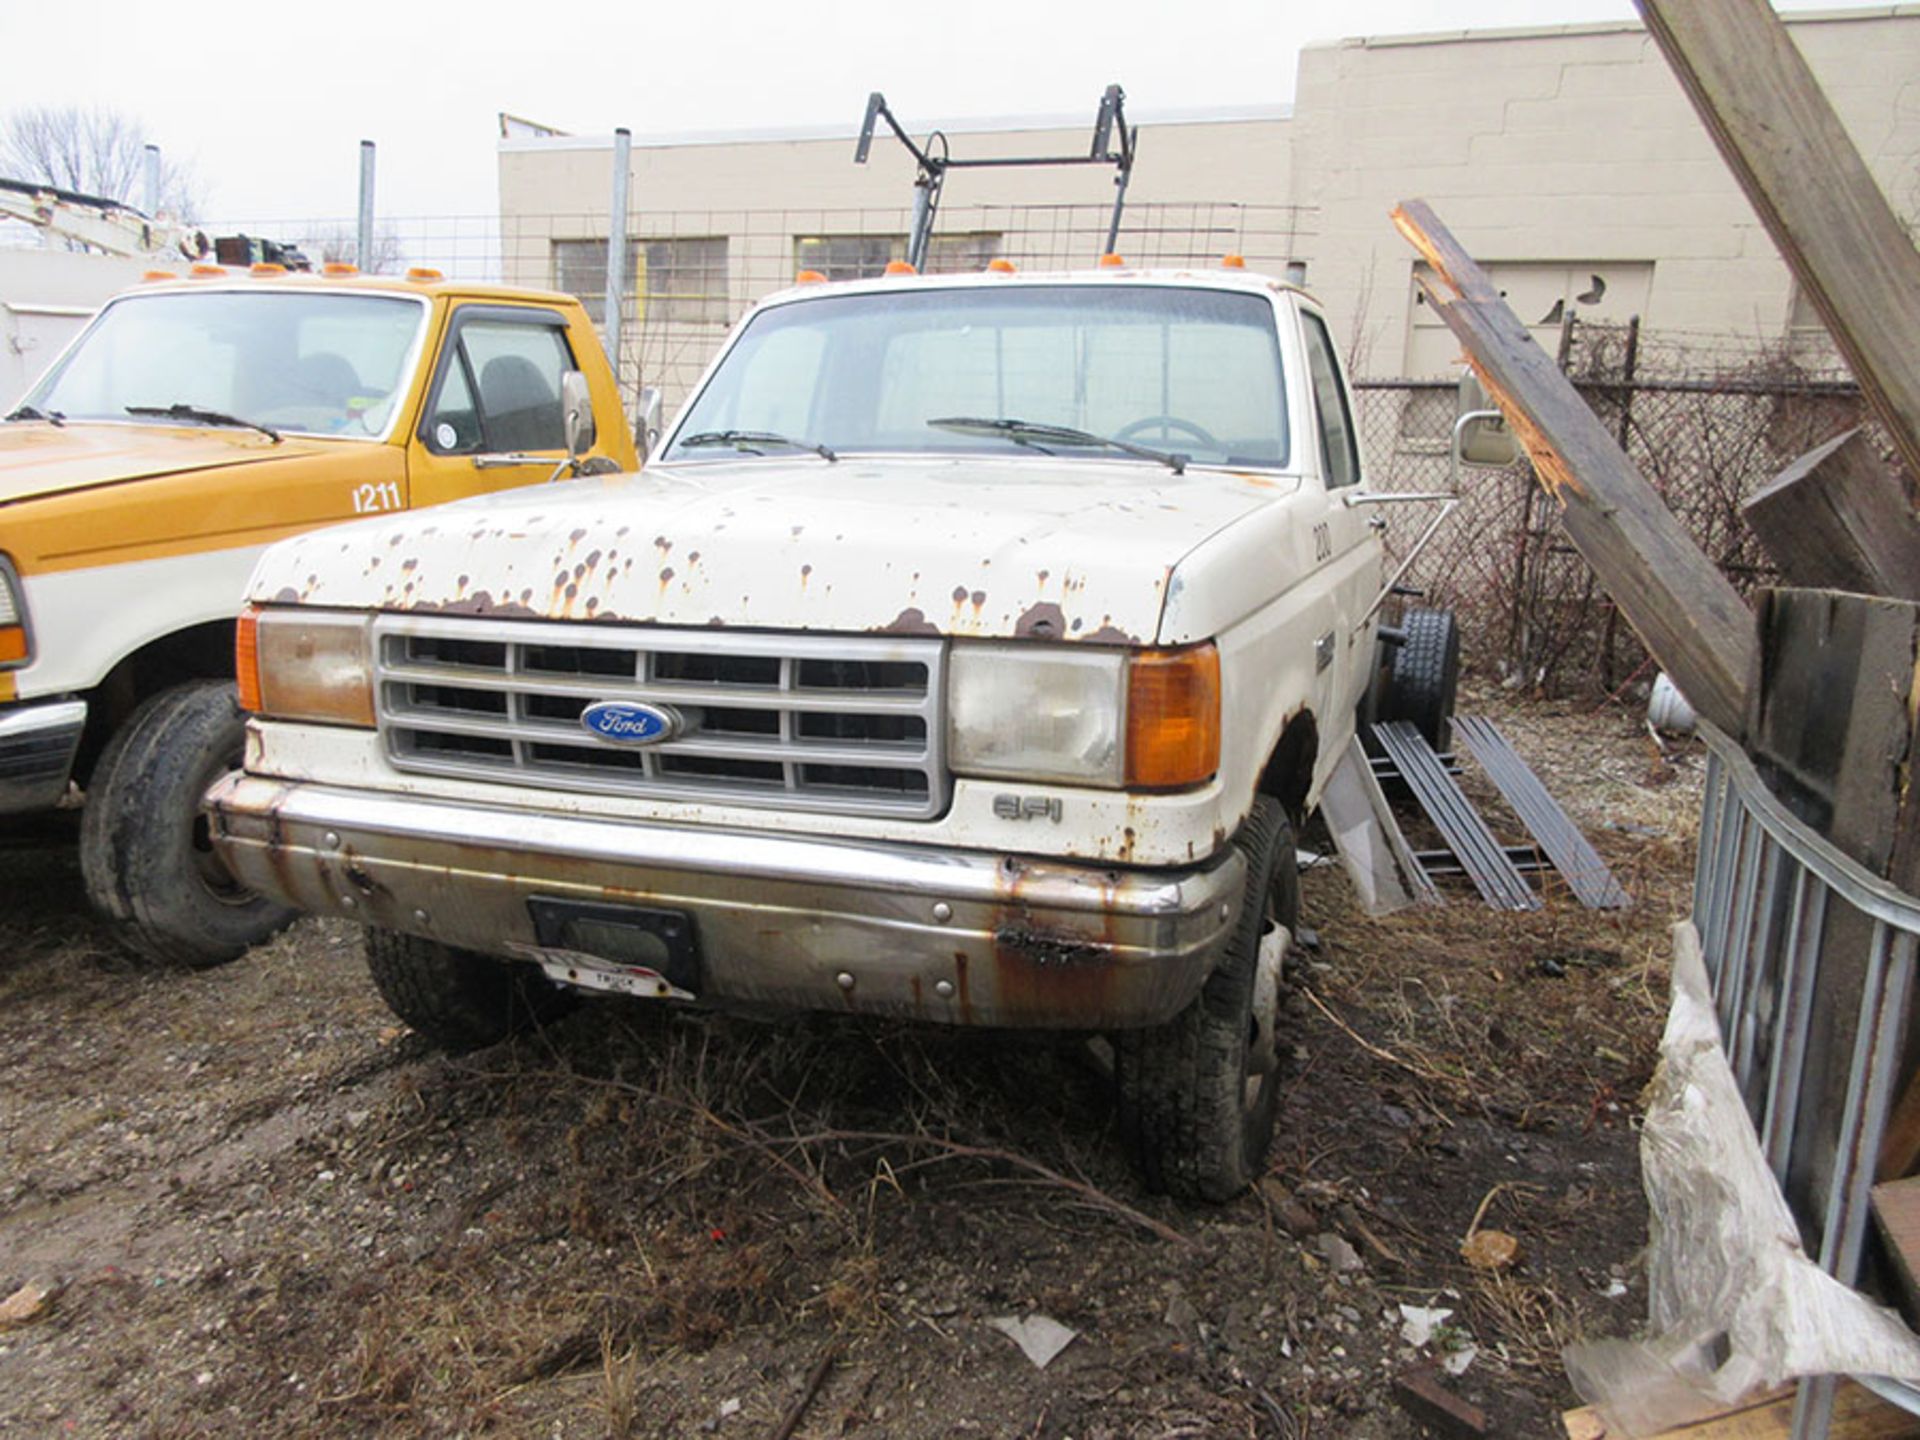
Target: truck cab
(191,424)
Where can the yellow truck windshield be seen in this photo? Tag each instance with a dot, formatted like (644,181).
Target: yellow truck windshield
(309,363)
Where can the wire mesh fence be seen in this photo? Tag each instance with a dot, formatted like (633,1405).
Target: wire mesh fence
(1708,418)
(1530,607)
(691,273)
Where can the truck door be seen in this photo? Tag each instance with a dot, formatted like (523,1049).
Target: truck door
(492,417)
(1343,540)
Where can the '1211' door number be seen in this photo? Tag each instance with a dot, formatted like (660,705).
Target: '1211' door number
(383,496)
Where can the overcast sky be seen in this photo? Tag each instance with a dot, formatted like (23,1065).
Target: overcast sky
(268,103)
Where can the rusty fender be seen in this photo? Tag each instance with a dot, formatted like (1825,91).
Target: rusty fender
(791,922)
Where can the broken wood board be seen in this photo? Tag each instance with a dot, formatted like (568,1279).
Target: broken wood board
(1783,141)
(1896,1215)
(1682,607)
(1858,1414)
(1829,723)
(1838,519)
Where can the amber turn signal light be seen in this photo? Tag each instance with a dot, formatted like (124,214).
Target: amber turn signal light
(246,660)
(1173,718)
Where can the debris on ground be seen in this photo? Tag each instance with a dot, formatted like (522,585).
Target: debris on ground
(1040,1337)
(1490,1250)
(27,1304)
(1420,1393)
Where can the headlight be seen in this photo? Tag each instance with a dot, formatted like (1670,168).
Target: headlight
(15,648)
(1143,719)
(1037,713)
(296,664)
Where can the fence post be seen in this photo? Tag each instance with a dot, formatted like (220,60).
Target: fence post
(363,252)
(1629,366)
(617,248)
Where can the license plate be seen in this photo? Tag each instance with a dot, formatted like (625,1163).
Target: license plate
(628,949)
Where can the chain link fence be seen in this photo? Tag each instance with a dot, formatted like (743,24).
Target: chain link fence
(1708,418)
(691,273)
(1708,424)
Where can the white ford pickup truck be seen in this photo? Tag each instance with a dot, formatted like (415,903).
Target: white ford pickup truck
(966,651)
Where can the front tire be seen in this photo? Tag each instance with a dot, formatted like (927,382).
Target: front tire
(458,999)
(1199,1095)
(146,854)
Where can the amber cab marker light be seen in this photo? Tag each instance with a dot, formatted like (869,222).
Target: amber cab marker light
(1173,718)
(339,267)
(809,277)
(1231,261)
(266,267)
(901,267)
(424,272)
(1111,261)
(246,660)
(1000,265)
(207,272)
(13,644)
(159,275)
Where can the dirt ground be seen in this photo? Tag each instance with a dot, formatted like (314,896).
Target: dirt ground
(270,1210)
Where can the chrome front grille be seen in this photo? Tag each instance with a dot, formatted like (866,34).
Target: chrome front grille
(847,724)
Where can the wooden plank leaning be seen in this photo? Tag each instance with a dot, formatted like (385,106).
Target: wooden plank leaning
(1684,609)
(1786,146)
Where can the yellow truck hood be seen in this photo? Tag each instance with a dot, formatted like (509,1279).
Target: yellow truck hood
(41,459)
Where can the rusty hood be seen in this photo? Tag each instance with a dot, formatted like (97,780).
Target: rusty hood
(1078,549)
(37,458)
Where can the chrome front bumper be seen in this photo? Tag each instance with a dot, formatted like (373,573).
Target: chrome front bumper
(779,921)
(37,744)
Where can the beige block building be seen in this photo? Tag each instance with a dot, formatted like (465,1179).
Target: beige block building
(1565,157)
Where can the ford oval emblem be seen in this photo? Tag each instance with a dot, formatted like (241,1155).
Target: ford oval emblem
(628,722)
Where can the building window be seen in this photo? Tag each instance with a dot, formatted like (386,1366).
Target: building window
(860,257)
(847,257)
(961,254)
(580,269)
(685,280)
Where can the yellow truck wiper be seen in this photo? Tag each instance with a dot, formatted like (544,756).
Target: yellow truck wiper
(194,413)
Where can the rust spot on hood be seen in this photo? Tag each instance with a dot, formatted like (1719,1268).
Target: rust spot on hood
(1045,621)
(1108,634)
(910,621)
(481,602)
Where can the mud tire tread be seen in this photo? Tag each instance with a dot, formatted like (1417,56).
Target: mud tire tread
(1426,676)
(136,832)
(1180,1083)
(459,999)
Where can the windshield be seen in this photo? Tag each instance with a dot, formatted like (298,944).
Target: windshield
(319,364)
(1190,371)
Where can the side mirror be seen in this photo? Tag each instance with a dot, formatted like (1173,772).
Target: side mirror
(577,406)
(646,429)
(1480,433)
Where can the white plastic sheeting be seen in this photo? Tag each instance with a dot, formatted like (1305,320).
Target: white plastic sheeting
(1735,1305)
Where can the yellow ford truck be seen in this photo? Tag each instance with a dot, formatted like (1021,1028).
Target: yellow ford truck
(191,424)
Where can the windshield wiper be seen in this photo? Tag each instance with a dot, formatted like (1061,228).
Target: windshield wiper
(183,411)
(28,412)
(1031,432)
(751,440)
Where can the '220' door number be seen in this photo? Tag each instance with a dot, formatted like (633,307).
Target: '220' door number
(369,498)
